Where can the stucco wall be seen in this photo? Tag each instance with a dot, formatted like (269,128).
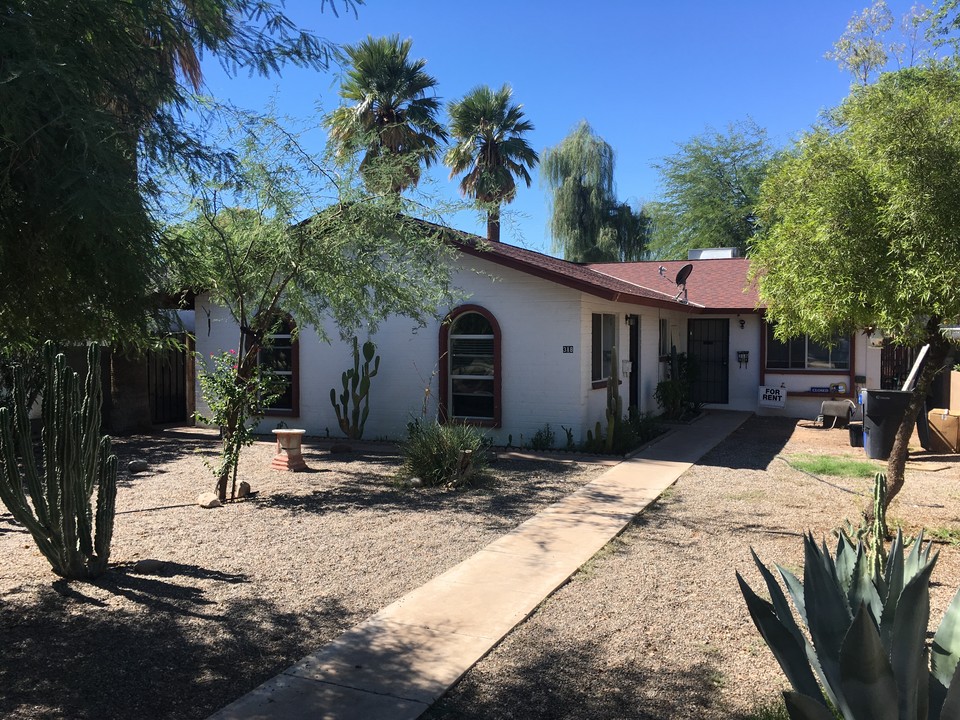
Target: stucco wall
(540,383)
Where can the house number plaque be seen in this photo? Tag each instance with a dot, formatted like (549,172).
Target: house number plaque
(568,348)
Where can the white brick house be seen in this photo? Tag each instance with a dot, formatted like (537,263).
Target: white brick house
(531,343)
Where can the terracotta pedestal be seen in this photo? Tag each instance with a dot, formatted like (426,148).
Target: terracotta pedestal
(289,453)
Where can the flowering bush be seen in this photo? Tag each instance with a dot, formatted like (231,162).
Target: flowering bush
(235,390)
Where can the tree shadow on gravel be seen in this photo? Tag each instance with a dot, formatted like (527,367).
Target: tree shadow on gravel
(753,445)
(159,449)
(73,656)
(582,683)
(508,490)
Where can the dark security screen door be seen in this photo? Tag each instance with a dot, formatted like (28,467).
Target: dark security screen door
(708,347)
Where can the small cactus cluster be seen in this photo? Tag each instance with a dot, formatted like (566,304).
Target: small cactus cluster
(54,503)
(356,391)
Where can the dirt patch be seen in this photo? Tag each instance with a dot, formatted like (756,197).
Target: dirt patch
(655,626)
(242,592)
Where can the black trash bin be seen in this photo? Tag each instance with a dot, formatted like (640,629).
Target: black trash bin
(856,434)
(882,414)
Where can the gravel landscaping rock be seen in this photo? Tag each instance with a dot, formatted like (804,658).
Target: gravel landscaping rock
(655,626)
(200,606)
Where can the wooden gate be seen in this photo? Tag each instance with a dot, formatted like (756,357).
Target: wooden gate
(167,383)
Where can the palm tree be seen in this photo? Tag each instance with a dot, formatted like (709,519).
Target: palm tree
(490,149)
(392,117)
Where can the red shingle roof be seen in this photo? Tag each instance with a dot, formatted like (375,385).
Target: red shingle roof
(579,277)
(718,285)
(713,286)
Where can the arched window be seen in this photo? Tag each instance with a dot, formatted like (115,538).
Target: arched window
(280,357)
(470,367)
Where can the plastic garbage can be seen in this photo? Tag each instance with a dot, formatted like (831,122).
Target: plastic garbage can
(883,412)
(856,434)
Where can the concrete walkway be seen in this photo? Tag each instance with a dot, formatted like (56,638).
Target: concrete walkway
(399,661)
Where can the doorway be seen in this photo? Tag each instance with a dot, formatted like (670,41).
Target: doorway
(634,356)
(708,350)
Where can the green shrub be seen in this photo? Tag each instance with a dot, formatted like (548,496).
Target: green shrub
(863,650)
(543,438)
(628,434)
(451,454)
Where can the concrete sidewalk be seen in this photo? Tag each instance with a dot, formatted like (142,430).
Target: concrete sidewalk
(399,661)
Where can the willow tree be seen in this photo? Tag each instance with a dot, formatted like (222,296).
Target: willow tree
(489,148)
(586,220)
(863,218)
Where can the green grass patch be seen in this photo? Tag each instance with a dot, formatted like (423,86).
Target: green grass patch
(948,535)
(775,710)
(833,465)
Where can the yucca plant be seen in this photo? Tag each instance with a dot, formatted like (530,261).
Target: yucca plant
(452,454)
(864,652)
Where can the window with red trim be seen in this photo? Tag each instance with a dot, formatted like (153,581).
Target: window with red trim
(279,357)
(470,367)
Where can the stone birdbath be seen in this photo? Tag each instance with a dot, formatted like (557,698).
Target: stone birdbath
(289,452)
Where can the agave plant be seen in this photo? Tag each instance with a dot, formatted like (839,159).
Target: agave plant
(864,652)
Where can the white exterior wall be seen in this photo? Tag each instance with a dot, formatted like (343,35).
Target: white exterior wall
(866,363)
(539,382)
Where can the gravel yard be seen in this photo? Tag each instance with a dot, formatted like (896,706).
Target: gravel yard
(653,626)
(243,591)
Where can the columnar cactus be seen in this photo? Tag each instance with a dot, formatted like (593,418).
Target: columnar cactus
(54,503)
(614,401)
(356,390)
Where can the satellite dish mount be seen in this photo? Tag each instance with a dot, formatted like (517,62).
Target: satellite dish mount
(681,281)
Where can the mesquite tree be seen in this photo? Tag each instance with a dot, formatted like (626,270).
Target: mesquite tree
(295,238)
(863,220)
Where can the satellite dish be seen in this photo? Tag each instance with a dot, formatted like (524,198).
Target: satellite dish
(682,276)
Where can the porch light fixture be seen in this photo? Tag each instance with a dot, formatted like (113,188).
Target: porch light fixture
(742,323)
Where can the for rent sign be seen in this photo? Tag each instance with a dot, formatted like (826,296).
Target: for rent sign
(772,397)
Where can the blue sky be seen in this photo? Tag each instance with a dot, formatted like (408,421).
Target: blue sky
(645,75)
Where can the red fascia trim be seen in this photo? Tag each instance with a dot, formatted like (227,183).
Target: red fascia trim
(574,283)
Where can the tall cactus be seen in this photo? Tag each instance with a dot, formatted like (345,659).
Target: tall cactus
(614,410)
(54,503)
(356,391)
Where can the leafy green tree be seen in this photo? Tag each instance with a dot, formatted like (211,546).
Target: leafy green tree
(863,217)
(489,148)
(92,104)
(710,190)
(391,114)
(866,46)
(587,221)
(354,260)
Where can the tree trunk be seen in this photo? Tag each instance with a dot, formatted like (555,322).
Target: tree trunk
(493,226)
(896,464)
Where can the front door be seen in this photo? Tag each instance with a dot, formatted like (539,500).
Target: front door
(634,357)
(708,347)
